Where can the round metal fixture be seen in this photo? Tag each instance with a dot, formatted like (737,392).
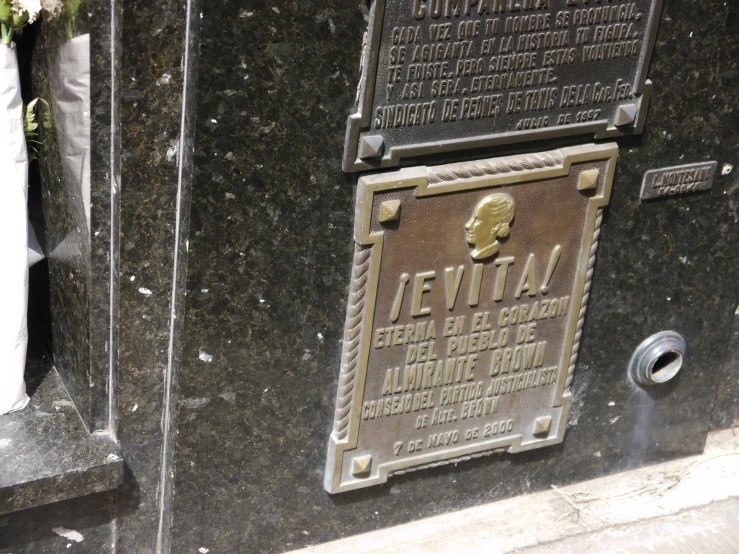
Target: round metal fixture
(658,359)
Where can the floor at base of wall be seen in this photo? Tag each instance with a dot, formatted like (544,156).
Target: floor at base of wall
(711,529)
(688,505)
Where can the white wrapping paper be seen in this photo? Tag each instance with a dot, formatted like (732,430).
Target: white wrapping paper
(13,237)
(71,76)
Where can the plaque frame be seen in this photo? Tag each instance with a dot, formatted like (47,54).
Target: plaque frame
(437,180)
(359,120)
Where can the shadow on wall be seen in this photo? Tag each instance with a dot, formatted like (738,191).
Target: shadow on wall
(50,528)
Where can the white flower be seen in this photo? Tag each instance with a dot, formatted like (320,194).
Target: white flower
(52,7)
(32,7)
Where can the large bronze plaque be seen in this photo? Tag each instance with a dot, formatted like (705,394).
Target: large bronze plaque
(442,75)
(466,309)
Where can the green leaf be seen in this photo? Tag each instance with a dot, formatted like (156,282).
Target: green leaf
(19,19)
(29,122)
(5,12)
(30,126)
(6,34)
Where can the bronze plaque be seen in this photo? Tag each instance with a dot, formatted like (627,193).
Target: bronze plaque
(442,75)
(679,179)
(467,302)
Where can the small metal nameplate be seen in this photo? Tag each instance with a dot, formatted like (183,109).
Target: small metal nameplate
(680,179)
(443,75)
(467,300)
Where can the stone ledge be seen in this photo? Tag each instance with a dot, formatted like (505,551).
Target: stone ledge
(572,514)
(46,453)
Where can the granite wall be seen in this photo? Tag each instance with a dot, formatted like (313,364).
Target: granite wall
(109,337)
(71,308)
(156,141)
(269,258)
(726,407)
(31,531)
(71,61)
(227,122)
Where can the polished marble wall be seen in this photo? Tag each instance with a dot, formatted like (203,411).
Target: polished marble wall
(31,531)
(71,70)
(218,198)
(269,258)
(120,326)
(726,407)
(156,143)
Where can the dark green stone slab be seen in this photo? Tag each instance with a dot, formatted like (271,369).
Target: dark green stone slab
(46,454)
(269,264)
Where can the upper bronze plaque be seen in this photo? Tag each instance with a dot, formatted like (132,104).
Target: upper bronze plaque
(467,303)
(442,75)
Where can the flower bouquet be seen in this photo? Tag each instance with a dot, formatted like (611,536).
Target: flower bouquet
(13,217)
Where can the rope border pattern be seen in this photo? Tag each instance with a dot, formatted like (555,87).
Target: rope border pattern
(585,298)
(352,336)
(467,170)
(360,276)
